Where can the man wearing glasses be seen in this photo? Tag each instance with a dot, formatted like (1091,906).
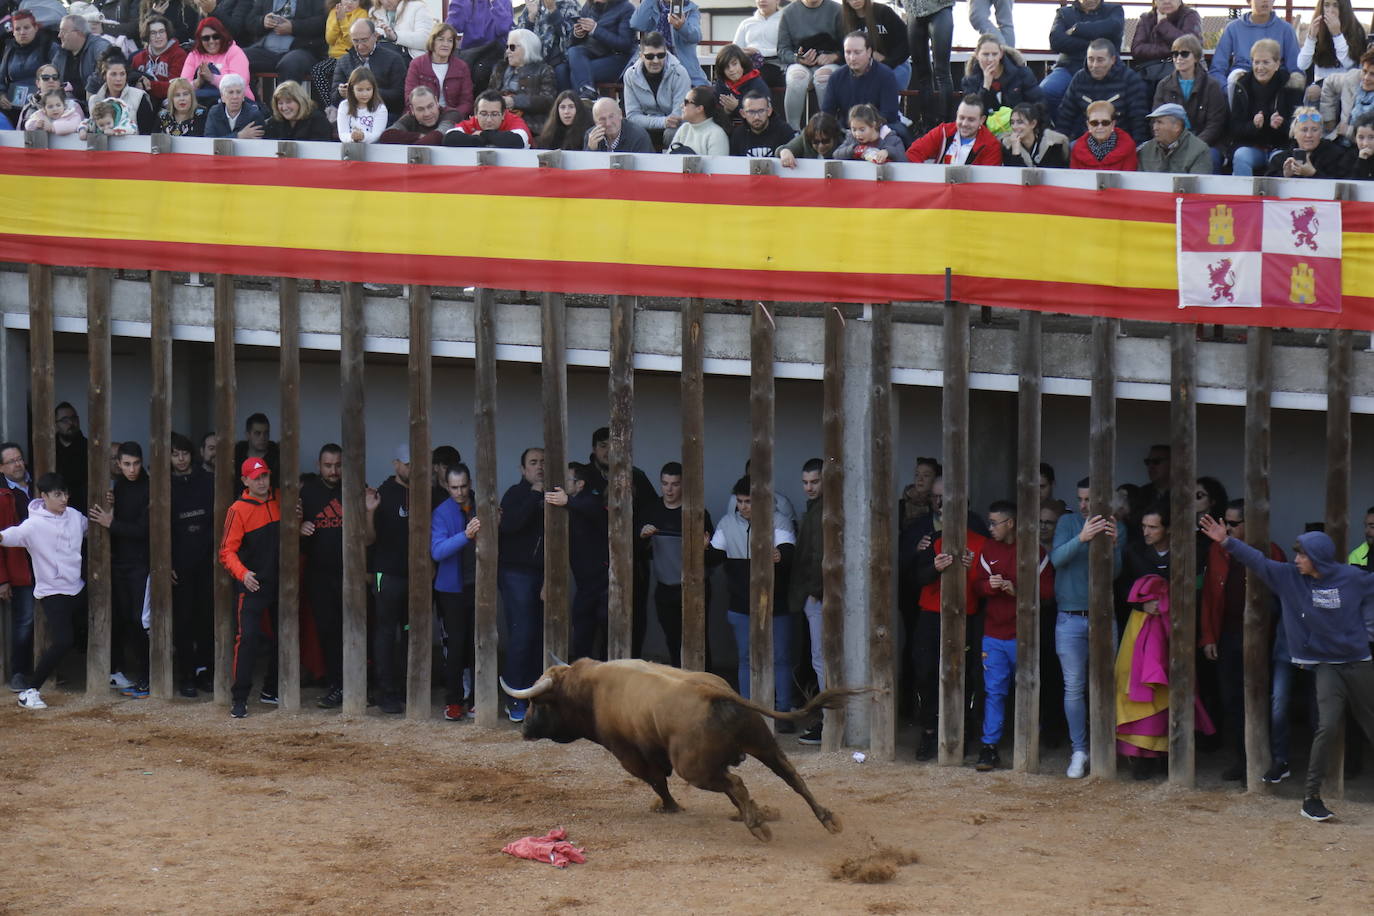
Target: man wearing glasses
(17,571)
(77,56)
(654,88)
(1157,469)
(292,38)
(1105,78)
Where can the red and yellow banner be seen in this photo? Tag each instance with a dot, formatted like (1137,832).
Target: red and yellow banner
(1110,252)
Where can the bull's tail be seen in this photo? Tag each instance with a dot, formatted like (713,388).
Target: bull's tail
(833,698)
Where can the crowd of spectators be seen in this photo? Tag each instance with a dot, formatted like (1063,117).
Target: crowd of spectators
(1274,100)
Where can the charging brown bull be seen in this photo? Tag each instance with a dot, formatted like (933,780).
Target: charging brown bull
(656,719)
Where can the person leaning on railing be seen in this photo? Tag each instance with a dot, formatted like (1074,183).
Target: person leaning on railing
(426,122)
(817,140)
(295,116)
(1310,155)
(182,115)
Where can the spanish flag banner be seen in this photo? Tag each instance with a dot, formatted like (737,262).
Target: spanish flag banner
(1095,252)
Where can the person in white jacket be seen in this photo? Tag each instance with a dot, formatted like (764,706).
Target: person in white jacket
(700,133)
(362,113)
(52,534)
(405,23)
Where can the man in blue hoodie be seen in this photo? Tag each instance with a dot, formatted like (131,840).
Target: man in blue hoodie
(1328,618)
(451,532)
(1233,48)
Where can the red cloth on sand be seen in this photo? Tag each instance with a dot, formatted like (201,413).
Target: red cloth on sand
(553,847)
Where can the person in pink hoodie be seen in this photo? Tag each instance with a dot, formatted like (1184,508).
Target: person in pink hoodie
(59,114)
(52,534)
(214,55)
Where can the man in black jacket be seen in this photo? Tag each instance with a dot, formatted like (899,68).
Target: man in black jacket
(520,575)
(388,527)
(589,554)
(291,38)
(322,547)
(761,134)
(77,55)
(193,566)
(386,65)
(127,520)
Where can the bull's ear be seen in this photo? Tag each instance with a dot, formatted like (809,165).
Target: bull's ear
(556,660)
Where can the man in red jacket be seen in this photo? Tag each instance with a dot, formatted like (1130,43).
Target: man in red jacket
(965,142)
(491,125)
(249,551)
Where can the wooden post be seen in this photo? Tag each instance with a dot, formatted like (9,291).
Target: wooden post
(484,686)
(555,380)
(1101,603)
(98,480)
(160,664)
(1183,556)
(41,404)
(954,580)
(620,486)
(354,485)
(1026,740)
(761,334)
(693,486)
(1259,393)
(832,523)
(289,494)
(226,477)
(882,644)
(420,649)
(1339,359)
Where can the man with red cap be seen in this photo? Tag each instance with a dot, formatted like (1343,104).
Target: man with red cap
(249,551)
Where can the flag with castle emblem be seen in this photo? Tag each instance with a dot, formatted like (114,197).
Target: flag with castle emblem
(1259,253)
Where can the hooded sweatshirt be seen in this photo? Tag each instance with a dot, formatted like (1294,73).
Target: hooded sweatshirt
(54,544)
(1328,619)
(1240,35)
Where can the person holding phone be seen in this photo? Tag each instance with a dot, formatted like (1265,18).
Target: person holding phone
(679,21)
(809,40)
(1311,155)
(602,41)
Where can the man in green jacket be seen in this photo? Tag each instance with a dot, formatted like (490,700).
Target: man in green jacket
(1174,149)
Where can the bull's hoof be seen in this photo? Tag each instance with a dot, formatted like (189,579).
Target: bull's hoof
(761,831)
(663,807)
(831,821)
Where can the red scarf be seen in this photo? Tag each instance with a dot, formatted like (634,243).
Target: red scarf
(734,85)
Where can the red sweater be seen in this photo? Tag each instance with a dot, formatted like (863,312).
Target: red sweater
(999,609)
(163,69)
(1219,567)
(1122,158)
(934,145)
(15,568)
(930,594)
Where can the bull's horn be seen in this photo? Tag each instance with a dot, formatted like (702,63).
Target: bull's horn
(540,686)
(556,660)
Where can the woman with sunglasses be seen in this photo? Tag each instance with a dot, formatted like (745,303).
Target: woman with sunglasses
(524,80)
(1311,155)
(215,56)
(46,79)
(1202,97)
(1105,146)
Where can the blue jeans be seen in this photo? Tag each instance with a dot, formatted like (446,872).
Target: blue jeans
(1071,644)
(586,71)
(999,668)
(979,19)
(1281,692)
(1249,160)
(1054,85)
(21,607)
(782,656)
(903,73)
(524,625)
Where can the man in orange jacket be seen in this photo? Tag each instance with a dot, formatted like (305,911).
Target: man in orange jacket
(249,551)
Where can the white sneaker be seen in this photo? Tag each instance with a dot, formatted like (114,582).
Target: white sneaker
(119,682)
(30,699)
(1078,765)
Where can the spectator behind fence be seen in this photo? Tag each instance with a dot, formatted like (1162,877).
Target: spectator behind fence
(700,133)
(387,66)
(520,573)
(491,126)
(966,141)
(1105,77)
(681,32)
(817,140)
(124,512)
(870,138)
(663,529)
(443,72)
(362,114)
(182,115)
(108,118)
(655,86)
(452,533)
(807,585)
(249,550)
(998,74)
(1235,49)
(758,36)
(567,126)
(863,81)
(193,567)
(291,38)
(588,555)
(736,77)
(1204,101)
(16,496)
(613,133)
(1031,143)
(762,132)
(483,25)
(1310,155)
(602,42)
(114,84)
(524,80)
(213,57)
(77,54)
(1104,146)
(407,24)
(552,22)
(322,521)
(388,526)
(809,48)
(1155,33)
(1075,27)
(28,49)
(886,33)
(1261,107)
(1174,148)
(58,115)
(295,116)
(161,59)
(930,34)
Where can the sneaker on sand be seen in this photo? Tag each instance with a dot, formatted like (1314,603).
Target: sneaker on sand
(1314,810)
(1078,765)
(391,705)
(928,747)
(269,697)
(472,712)
(19,683)
(987,759)
(136,691)
(811,736)
(188,689)
(239,709)
(30,699)
(517,710)
(455,712)
(331,700)
(119,682)
(1278,772)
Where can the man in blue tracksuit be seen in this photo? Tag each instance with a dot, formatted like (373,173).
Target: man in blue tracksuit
(1328,619)
(450,533)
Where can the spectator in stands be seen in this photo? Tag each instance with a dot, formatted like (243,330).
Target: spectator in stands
(809,40)
(127,520)
(736,77)
(998,73)
(182,116)
(120,15)
(292,38)
(213,57)
(451,533)
(1105,146)
(339,17)
(886,33)
(1346,97)
(1031,143)
(249,551)
(295,116)
(362,113)
(758,36)
(236,16)
(762,133)
(1235,48)
(1261,107)
(442,72)
(552,21)
(387,66)
(193,566)
(1105,77)
(77,54)
(407,24)
(654,88)
(663,529)
(235,116)
(1203,98)
(681,32)
(700,132)
(807,582)
(524,80)
(109,118)
(870,138)
(388,528)
(602,42)
(47,80)
(1334,42)
(1174,149)
(161,59)
(965,141)
(16,496)
(863,81)
(1310,155)
(930,37)
(1075,27)
(520,572)
(484,25)
(491,125)
(1362,166)
(27,50)
(114,84)
(1155,33)
(978,17)
(184,15)
(58,115)
(817,140)
(426,122)
(568,125)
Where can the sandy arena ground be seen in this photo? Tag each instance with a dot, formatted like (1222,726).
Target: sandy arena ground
(172,807)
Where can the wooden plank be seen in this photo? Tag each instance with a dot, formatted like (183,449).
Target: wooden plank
(484,686)
(620,485)
(161,673)
(1259,393)
(693,488)
(1339,358)
(1101,603)
(1026,738)
(954,595)
(553,318)
(1182,556)
(227,476)
(352,390)
(420,649)
(882,636)
(98,480)
(43,457)
(762,331)
(289,490)
(832,522)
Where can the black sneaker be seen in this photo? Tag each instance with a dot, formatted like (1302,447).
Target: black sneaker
(811,736)
(188,689)
(269,697)
(1234,773)
(988,759)
(239,709)
(1314,810)
(930,744)
(331,700)
(392,706)
(1278,772)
